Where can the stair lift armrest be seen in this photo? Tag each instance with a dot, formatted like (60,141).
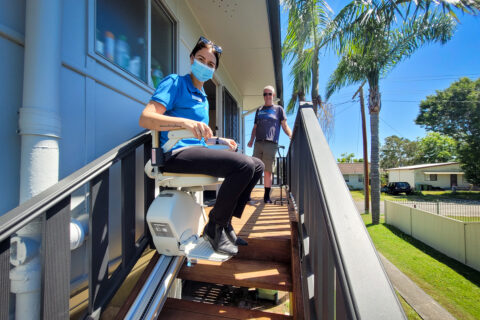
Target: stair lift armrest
(174,136)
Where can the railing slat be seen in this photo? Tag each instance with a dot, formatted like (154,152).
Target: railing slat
(149,184)
(98,227)
(56,270)
(4,278)
(128,207)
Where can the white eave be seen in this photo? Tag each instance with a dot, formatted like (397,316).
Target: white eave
(243,29)
(443,172)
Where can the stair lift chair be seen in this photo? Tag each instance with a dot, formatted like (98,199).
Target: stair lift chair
(175,217)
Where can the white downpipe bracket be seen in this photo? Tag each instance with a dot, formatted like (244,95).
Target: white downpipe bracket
(39,128)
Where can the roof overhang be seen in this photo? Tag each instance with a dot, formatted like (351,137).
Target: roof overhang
(249,33)
(443,172)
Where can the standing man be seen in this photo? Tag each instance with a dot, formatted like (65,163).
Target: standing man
(265,132)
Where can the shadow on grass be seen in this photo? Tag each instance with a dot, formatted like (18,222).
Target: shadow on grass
(470,274)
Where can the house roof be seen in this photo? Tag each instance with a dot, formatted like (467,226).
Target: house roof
(351,168)
(421,166)
(249,33)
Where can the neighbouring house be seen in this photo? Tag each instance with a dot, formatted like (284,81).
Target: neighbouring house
(431,175)
(353,174)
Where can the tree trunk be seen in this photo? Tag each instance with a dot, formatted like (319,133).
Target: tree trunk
(374,109)
(365,154)
(316,99)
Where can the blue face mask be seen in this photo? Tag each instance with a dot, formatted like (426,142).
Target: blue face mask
(201,71)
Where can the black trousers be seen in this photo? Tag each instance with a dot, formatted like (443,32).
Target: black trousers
(241,174)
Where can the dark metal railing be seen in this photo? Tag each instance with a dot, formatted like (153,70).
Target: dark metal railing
(52,207)
(463,210)
(342,275)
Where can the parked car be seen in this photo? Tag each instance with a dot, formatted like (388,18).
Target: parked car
(398,187)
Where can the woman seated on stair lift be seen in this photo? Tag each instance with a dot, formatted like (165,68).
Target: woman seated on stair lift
(180,102)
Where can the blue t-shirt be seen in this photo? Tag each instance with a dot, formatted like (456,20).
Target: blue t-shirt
(182,99)
(268,120)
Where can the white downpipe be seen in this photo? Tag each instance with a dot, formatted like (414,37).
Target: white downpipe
(39,124)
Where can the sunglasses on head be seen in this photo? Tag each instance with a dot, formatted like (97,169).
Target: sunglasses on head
(210,43)
(267,94)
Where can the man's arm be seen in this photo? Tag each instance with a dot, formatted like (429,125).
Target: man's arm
(252,137)
(286,129)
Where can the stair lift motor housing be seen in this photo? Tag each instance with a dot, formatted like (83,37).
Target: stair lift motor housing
(176,221)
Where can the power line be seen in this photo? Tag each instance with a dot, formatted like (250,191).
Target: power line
(455,101)
(401,134)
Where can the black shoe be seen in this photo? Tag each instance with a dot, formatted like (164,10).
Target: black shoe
(219,241)
(233,237)
(267,201)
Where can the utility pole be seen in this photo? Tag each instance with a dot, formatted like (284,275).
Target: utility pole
(365,149)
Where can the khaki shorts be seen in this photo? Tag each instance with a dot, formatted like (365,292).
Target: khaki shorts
(265,151)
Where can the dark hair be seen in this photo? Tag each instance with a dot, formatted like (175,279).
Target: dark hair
(200,45)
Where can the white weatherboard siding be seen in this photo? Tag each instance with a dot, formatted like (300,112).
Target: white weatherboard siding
(402,176)
(12,25)
(353,181)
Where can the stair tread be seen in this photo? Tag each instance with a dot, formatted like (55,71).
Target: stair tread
(242,273)
(183,309)
(277,249)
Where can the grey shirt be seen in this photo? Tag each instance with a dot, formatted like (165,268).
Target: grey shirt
(268,120)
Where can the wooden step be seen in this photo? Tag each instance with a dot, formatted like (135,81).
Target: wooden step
(277,249)
(182,309)
(241,273)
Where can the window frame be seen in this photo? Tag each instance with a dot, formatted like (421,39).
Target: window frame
(98,58)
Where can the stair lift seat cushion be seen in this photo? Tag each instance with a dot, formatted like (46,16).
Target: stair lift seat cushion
(179,180)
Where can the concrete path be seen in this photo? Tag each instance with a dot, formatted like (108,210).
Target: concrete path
(423,304)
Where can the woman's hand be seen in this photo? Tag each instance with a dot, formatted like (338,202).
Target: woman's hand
(199,129)
(232,145)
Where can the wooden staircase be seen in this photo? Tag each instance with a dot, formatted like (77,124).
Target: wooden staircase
(270,261)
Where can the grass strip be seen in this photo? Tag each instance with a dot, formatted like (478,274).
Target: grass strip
(452,284)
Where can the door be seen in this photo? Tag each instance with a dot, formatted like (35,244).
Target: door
(453,180)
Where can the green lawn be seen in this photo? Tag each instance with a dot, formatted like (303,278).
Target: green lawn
(455,286)
(424,195)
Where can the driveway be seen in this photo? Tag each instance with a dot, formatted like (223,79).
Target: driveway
(361,206)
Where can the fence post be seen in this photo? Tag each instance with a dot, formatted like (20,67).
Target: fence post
(438,207)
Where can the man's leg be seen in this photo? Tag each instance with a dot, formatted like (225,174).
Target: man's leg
(269,159)
(244,197)
(268,186)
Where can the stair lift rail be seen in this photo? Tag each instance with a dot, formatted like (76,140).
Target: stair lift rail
(341,273)
(53,206)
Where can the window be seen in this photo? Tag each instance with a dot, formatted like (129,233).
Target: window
(230,117)
(345,176)
(430,177)
(360,178)
(162,44)
(121,33)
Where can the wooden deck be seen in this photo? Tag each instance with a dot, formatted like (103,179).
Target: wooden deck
(265,263)
(268,262)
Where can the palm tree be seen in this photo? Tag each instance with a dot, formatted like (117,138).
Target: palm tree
(304,39)
(369,49)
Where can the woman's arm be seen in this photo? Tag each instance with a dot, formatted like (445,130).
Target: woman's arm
(153,118)
(231,144)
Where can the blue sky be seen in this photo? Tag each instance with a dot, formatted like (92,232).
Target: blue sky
(432,67)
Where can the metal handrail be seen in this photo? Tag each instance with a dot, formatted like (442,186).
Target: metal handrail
(20,216)
(341,272)
(53,206)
